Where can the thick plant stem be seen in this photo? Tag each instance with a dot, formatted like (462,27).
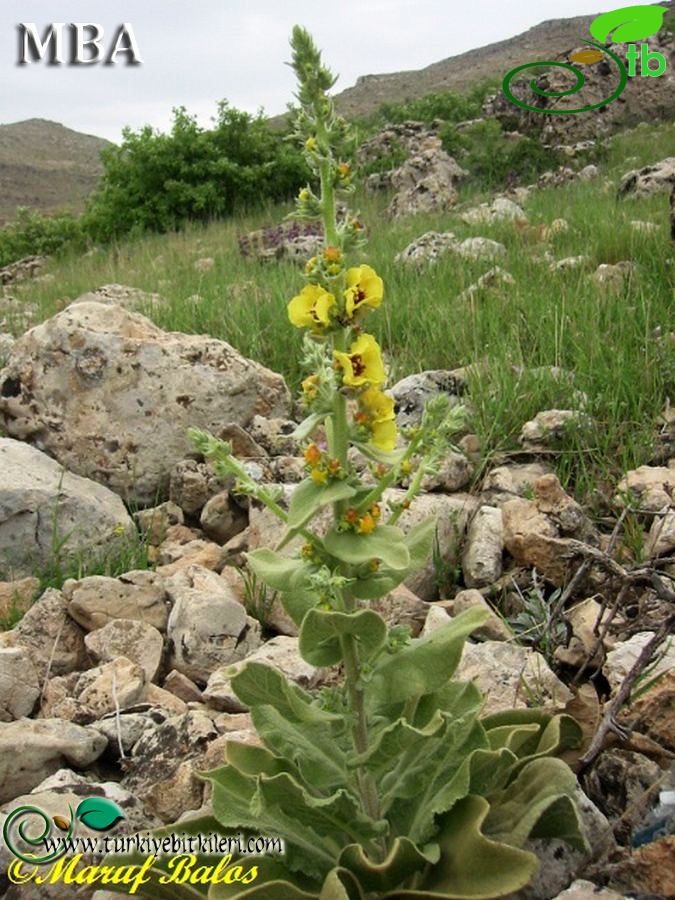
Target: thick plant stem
(367,787)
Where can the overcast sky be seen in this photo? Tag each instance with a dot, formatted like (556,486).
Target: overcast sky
(198,52)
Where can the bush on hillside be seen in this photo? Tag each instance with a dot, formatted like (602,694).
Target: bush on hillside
(493,159)
(157,182)
(449,106)
(34,234)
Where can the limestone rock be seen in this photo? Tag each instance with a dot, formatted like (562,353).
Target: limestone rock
(124,392)
(510,676)
(482,554)
(39,503)
(614,277)
(425,183)
(586,890)
(182,686)
(649,871)
(480,248)
(493,278)
(191,484)
(159,754)
(96,600)
(411,393)
(19,688)
(505,482)
(175,556)
(501,209)
(494,629)
(549,427)
(55,643)
(118,683)
(452,513)
(661,538)
(17,596)
(649,179)
(621,659)
(30,750)
(281,653)
(624,785)
(653,713)
(156,521)
(208,627)
(651,488)
(455,471)
(221,519)
(428,248)
(137,641)
(402,607)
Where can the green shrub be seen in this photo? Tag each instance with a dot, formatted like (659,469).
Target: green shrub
(34,234)
(492,159)
(449,106)
(157,182)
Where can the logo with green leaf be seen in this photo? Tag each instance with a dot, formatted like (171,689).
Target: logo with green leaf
(96,813)
(630,23)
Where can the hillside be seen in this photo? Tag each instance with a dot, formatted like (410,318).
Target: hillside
(547,40)
(46,166)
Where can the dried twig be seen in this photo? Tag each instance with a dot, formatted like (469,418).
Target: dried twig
(609,722)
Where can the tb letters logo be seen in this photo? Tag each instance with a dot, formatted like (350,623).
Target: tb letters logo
(630,23)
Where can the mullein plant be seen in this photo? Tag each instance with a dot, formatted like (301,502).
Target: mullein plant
(389,784)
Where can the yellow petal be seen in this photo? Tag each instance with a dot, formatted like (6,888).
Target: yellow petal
(384,435)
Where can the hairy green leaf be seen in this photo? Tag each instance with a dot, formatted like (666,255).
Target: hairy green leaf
(321,633)
(308,497)
(387,543)
(424,666)
(257,684)
(309,746)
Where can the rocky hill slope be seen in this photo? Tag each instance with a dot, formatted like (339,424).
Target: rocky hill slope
(46,166)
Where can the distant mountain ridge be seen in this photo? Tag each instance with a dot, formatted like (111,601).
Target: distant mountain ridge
(46,166)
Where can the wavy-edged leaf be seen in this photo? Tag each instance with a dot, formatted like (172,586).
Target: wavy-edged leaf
(389,743)
(471,865)
(309,746)
(423,666)
(237,804)
(277,571)
(321,631)
(335,818)
(297,603)
(257,684)
(340,884)
(403,860)
(537,803)
(630,23)
(308,497)
(386,543)
(98,813)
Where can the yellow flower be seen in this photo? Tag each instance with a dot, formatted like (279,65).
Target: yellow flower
(310,388)
(366,524)
(363,364)
(383,434)
(319,476)
(311,144)
(378,407)
(364,288)
(311,307)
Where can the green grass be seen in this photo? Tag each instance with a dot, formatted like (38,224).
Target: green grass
(606,341)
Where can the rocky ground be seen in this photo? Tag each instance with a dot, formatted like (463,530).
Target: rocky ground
(118,685)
